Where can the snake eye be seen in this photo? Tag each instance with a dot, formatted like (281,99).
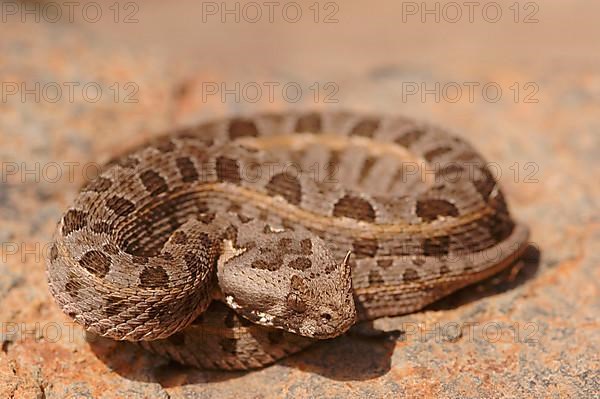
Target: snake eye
(326,317)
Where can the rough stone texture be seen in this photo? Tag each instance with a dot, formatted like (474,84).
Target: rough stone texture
(535,329)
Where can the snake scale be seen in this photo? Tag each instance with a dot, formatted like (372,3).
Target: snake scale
(238,242)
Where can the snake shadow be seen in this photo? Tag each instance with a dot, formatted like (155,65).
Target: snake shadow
(369,357)
(366,352)
(363,354)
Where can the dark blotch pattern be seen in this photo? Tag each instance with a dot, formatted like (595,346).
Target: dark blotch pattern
(410,275)
(451,172)
(272,257)
(467,156)
(263,264)
(287,186)
(385,263)
(243,218)
(120,206)
(205,240)
(436,246)
(164,145)
(430,209)
(500,224)
(72,286)
(332,165)
(409,138)
(284,244)
(355,208)
(193,263)
(366,168)
(365,128)
(73,220)
(485,184)
(418,260)
(242,128)
(310,123)
(154,183)
(179,237)
(306,246)
(300,263)
(228,170)
(153,276)
(364,248)
(436,152)
(146,234)
(96,262)
(187,170)
(53,253)
(375,278)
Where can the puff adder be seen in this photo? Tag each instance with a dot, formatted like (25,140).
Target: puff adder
(236,243)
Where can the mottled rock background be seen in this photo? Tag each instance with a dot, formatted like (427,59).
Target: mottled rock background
(532,331)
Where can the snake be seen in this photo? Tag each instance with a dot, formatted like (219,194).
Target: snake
(240,241)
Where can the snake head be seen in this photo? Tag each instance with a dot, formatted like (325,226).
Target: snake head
(288,280)
(327,305)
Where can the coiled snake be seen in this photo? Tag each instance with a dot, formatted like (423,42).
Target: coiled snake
(301,223)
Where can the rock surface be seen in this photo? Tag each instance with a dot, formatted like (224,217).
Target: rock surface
(531,331)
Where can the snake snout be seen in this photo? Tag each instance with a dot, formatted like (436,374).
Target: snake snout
(330,322)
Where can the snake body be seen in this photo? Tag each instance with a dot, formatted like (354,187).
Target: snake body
(238,242)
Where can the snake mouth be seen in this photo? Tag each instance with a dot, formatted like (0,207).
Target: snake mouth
(325,326)
(332,331)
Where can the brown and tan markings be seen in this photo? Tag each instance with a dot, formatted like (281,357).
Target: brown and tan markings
(173,245)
